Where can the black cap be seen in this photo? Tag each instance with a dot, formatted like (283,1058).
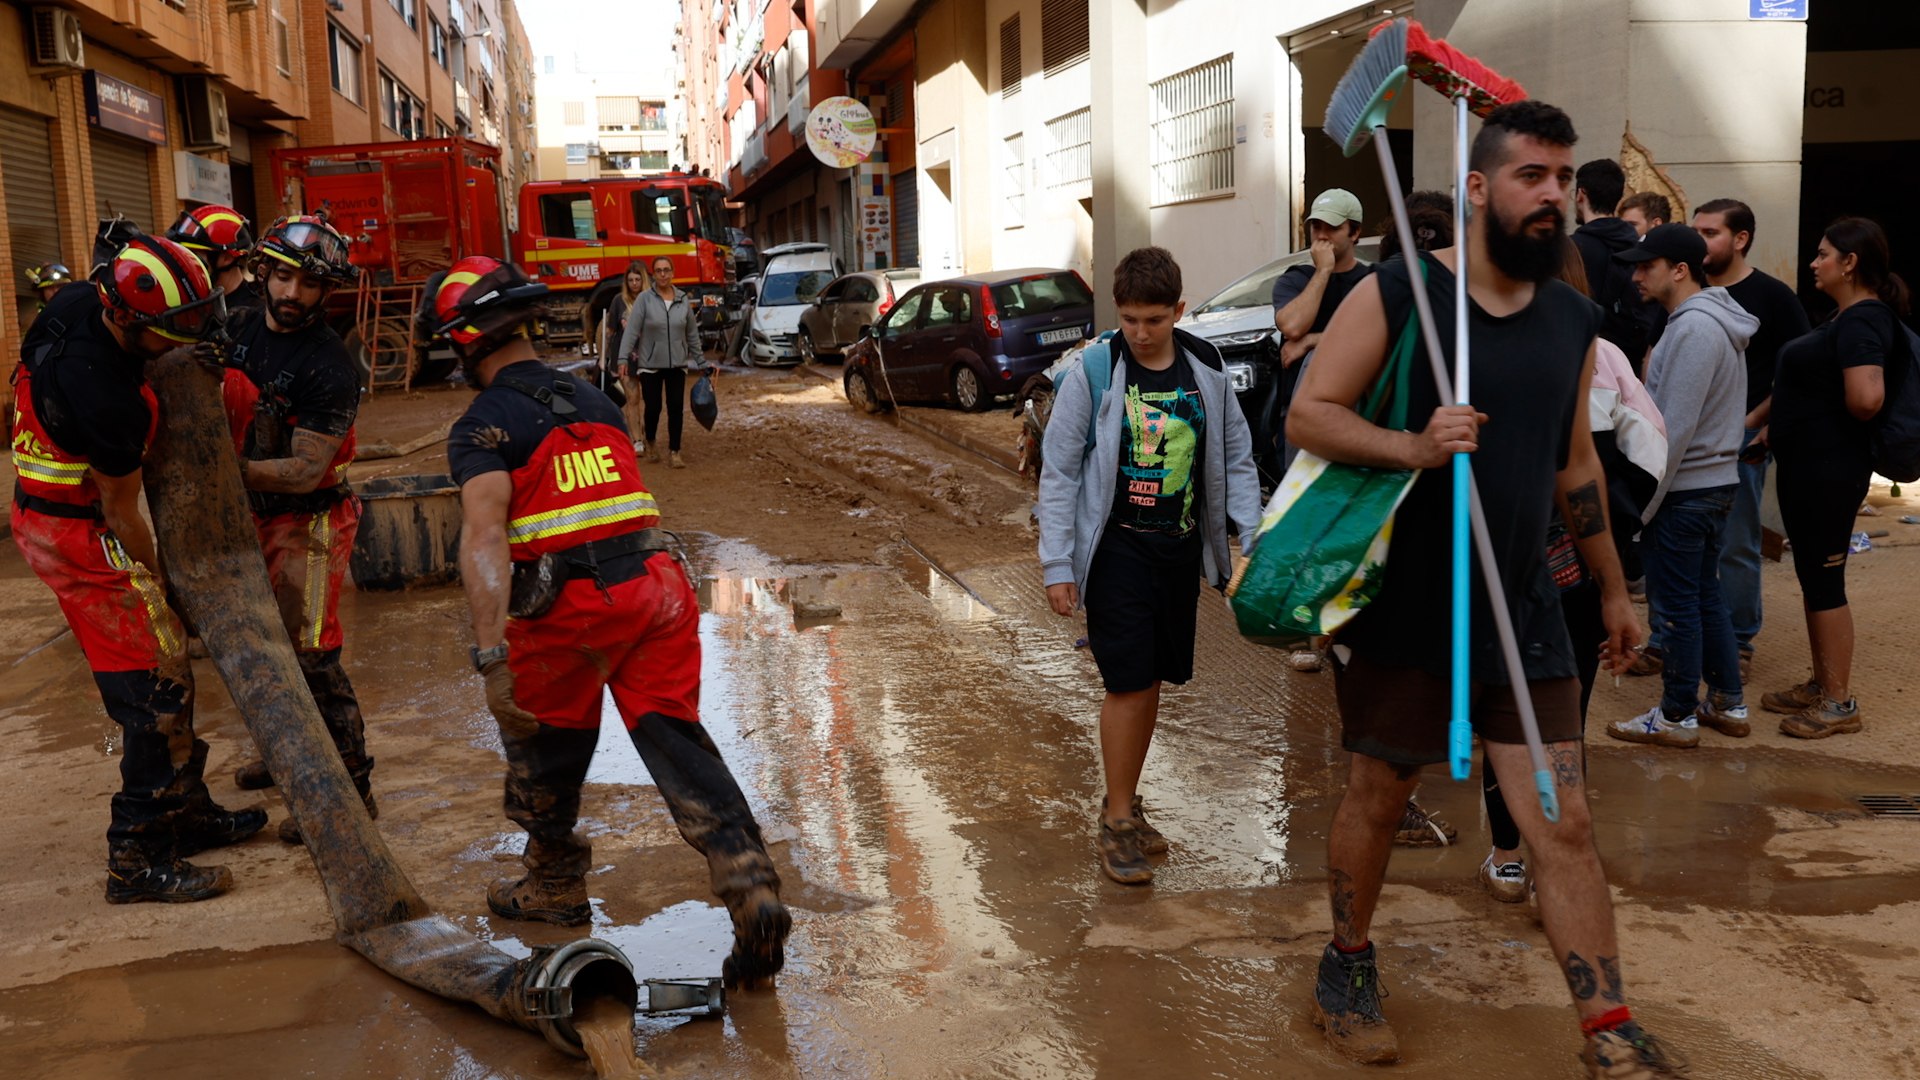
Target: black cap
(1675,243)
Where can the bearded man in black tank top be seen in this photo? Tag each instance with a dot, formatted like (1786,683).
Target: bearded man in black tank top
(1532,354)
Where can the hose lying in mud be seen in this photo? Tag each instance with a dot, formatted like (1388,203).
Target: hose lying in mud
(213,563)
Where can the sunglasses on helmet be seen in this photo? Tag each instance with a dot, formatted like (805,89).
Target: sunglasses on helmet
(190,322)
(311,247)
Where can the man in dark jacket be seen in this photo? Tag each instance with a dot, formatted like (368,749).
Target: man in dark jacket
(1629,321)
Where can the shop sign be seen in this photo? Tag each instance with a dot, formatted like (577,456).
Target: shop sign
(1777,9)
(125,108)
(202,179)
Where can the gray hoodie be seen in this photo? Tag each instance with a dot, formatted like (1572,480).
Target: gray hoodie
(1698,377)
(1076,487)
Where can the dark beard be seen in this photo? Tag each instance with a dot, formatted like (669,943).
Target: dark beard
(301,314)
(1714,269)
(1519,255)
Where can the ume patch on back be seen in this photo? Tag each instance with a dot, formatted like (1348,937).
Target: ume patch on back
(576,469)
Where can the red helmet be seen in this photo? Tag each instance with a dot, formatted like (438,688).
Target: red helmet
(155,284)
(213,233)
(306,242)
(480,296)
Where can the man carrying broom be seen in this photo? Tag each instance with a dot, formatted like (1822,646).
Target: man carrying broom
(1531,340)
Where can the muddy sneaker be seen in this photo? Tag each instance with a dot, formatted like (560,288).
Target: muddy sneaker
(1418,828)
(290,832)
(216,827)
(1151,842)
(1346,1005)
(1506,881)
(760,927)
(1797,699)
(1627,1053)
(675,461)
(653,454)
(561,901)
(1307,660)
(252,776)
(1827,718)
(1653,727)
(1726,719)
(1120,855)
(1647,661)
(133,878)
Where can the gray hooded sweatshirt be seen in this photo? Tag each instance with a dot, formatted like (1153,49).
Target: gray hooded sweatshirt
(1698,377)
(1076,487)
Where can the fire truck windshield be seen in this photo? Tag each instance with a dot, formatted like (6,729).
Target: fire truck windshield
(712,201)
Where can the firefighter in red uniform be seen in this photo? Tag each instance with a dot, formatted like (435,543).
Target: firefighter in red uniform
(295,408)
(83,420)
(551,498)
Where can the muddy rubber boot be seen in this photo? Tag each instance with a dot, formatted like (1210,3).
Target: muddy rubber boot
(212,826)
(558,900)
(1628,1053)
(134,877)
(252,776)
(760,927)
(290,831)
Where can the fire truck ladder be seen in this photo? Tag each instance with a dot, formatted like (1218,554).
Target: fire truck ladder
(383,323)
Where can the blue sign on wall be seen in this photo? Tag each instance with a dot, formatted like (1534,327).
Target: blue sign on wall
(1777,9)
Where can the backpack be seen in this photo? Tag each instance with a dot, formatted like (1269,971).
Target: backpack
(1896,431)
(1097,361)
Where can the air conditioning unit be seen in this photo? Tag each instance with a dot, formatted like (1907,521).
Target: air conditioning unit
(57,40)
(242,5)
(204,106)
(593,149)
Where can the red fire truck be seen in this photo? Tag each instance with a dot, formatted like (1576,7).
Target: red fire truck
(414,208)
(579,236)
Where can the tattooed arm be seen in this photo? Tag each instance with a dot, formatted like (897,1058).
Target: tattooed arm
(298,474)
(1583,506)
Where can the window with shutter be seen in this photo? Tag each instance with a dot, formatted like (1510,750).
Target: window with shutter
(1010,57)
(1063,34)
(1192,117)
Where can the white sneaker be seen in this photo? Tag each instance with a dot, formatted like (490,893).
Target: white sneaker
(1653,727)
(1507,881)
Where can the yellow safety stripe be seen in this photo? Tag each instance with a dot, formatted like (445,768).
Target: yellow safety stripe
(169,288)
(152,597)
(578,518)
(319,540)
(49,471)
(614,252)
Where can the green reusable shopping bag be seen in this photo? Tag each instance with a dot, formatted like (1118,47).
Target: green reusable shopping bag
(1321,550)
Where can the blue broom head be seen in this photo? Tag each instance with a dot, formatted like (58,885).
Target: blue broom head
(1367,92)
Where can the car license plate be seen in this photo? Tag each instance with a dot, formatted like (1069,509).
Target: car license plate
(1056,337)
(1241,376)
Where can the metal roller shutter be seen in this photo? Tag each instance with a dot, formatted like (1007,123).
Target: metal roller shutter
(123,177)
(33,214)
(906,218)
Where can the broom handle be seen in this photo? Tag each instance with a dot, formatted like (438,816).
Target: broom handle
(1460,732)
(1489,568)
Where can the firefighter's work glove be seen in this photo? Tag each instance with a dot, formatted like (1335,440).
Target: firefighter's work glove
(515,722)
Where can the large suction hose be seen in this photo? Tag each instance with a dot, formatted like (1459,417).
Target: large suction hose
(213,563)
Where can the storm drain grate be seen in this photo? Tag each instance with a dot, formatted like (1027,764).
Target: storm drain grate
(1892,806)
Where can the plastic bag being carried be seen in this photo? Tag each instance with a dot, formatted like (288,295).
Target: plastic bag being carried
(1321,550)
(705,408)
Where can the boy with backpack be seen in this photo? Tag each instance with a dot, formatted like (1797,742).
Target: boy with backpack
(1147,460)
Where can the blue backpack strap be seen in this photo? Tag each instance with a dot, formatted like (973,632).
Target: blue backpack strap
(1097,361)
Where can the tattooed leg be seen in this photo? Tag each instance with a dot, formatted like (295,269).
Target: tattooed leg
(1361,841)
(1574,903)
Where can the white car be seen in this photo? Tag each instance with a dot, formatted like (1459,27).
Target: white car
(794,276)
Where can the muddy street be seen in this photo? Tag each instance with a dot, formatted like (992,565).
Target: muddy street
(924,764)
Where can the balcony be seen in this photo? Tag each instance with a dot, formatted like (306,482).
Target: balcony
(754,157)
(798,108)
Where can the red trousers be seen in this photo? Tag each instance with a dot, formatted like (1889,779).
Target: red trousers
(117,609)
(307,561)
(644,646)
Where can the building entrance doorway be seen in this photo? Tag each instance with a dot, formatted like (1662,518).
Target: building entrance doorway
(1319,55)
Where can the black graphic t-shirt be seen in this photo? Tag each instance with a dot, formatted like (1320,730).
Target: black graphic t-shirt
(1162,423)
(321,384)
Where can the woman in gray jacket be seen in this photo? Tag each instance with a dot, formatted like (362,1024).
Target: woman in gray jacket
(661,341)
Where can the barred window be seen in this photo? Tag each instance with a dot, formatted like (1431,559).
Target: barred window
(1192,118)
(1070,153)
(1016,180)
(1010,57)
(1063,34)
(574,113)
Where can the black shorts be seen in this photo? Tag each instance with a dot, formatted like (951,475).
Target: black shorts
(1143,592)
(1399,714)
(1819,496)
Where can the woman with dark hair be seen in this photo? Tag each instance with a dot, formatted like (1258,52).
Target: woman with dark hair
(613,326)
(661,341)
(1827,388)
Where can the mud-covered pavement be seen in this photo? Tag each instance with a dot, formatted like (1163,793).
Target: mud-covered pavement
(925,768)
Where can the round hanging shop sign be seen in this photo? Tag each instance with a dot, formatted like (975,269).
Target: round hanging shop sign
(840,132)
